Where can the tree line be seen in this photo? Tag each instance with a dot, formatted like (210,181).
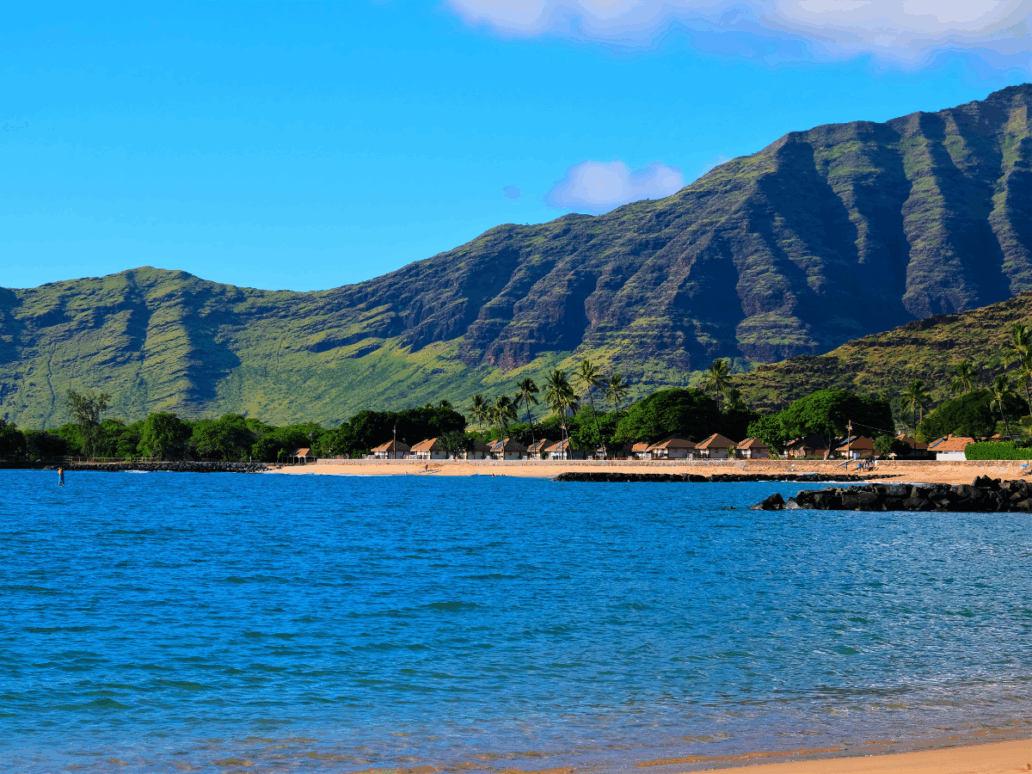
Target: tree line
(586,408)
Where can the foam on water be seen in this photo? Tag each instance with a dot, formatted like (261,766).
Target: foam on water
(346,623)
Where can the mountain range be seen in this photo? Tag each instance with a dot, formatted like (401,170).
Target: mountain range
(823,237)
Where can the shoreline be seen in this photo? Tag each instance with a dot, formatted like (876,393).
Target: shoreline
(905,471)
(963,756)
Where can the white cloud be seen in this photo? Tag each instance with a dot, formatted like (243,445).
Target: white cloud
(594,186)
(908,31)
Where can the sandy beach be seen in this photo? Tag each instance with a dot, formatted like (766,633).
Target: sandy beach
(992,758)
(953,472)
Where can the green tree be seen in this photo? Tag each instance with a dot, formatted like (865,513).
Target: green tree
(888,444)
(455,442)
(616,392)
(916,397)
(588,377)
(967,415)
(164,435)
(964,378)
(480,409)
(227,438)
(561,398)
(503,412)
(526,393)
(12,440)
(828,413)
(717,377)
(768,428)
(1002,390)
(688,412)
(40,444)
(86,409)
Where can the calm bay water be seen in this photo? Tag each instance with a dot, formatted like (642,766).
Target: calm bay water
(279,623)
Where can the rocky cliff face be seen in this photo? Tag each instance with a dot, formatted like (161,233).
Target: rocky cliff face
(824,236)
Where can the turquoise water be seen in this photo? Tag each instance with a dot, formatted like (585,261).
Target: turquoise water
(280,623)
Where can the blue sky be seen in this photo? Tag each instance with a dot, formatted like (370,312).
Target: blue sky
(305,145)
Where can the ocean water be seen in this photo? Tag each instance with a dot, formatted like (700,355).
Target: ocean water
(166,622)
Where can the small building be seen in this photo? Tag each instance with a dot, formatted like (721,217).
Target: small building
(392,450)
(911,442)
(752,449)
(950,447)
(715,447)
(430,449)
(536,449)
(479,451)
(673,447)
(507,449)
(302,456)
(854,448)
(623,452)
(563,451)
(810,446)
(640,451)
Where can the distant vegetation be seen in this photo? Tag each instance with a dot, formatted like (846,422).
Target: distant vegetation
(571,407)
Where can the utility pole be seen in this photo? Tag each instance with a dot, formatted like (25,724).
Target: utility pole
(849,439)
(394,446)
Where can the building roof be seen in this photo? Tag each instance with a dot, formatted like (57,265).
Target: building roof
(506,445)
(856,443)
(537,446)
(911,442)
(559,446)
(429,445)
(812,441)
(673,442)
(301,453)
(752,443)
(716,441)
(640,447)
(951,443)
(392,446)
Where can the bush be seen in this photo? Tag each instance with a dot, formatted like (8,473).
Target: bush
(997,450)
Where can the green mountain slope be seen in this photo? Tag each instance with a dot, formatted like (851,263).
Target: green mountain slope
(885,363)
(824,236)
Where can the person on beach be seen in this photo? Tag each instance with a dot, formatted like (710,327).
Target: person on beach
(60,476)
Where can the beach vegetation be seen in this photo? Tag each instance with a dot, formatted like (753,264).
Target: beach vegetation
(832,413)
(970,415)
(998,450)
(85,409)
(12,440)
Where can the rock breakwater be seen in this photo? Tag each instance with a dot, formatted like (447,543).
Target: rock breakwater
(985,495)
(171,467)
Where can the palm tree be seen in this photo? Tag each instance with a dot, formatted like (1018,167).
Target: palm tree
(1002,392)
(560,397)
(480,409)
(526,392)
(733,400)
(718,376)
(589,377)
(916,397)
(1019,344)
(502,413)
(1025,374)
(963,378)
(616,391)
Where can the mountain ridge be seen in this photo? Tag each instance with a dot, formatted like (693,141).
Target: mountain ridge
(824,236)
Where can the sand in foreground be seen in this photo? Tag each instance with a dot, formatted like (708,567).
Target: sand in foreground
(994,758)
(926,472)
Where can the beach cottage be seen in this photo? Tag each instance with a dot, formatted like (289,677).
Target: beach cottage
(753,449)
(715,447)
(855,448)
(536,449)
(479,451)
(302,456)
(563,451)
(951,447)
(507,449)
(640,451)
(430,449)
(673,447)
(810,446)
(392,450)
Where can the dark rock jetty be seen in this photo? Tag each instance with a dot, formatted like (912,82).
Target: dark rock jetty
(173,467)
(986,495)
(720,478)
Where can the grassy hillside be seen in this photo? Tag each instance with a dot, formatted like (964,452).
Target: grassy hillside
(820,238)
(886,363)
